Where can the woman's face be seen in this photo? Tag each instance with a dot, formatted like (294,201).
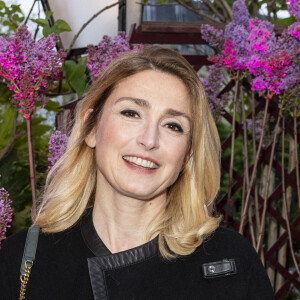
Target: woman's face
(142,138)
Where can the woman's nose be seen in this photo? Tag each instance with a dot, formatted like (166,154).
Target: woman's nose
(149,137)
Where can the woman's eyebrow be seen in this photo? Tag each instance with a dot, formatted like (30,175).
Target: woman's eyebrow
(176,113)
(145,103)
(137,101)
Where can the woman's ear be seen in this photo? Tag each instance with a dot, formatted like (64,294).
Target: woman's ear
(90,140)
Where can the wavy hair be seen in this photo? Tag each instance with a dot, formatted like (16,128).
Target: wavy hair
(184,221)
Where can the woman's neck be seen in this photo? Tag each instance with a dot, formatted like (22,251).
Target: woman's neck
(122,222)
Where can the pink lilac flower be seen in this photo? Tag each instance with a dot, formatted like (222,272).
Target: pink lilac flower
(270,72)
(99,57)
(212,35)
(230,55)
(5,213)
(294,8)
(29,67)
(57,146)
(261,37)
(294,30)
(237,31)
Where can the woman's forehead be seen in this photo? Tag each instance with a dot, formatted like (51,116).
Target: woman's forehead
(152,88)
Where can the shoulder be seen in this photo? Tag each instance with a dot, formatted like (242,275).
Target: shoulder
(225,244)
(229,241)
(12,244)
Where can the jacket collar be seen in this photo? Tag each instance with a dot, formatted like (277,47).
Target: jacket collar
(105,260)
(90,236)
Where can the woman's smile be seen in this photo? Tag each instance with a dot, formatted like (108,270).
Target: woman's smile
(140,165)
(141,162)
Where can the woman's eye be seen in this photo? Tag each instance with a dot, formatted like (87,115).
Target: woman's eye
(174,127)
(130,113)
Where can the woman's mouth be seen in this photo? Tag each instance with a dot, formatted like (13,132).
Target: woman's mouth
(139,162)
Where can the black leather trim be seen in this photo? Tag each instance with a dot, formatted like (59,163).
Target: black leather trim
(105,260)
(221,268)
(90,236)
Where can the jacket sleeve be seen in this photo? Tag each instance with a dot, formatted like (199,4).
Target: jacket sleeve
(5,284)
(259,286)
(10,261)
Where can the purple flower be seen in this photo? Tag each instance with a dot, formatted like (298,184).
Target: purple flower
(212,85)
(262,37)
(257,127)
(270,72)
(99,57)
(294,30)
(5,213)
(240,13)
(57,146)
(294,8)
(29,67)
(214,37)
(237,31)
(240,17)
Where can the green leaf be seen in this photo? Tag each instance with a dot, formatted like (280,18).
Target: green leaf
(83,60)
(5,93)
(48,14)
(17,18)
(6,123)
(46,31)
(38,131)
(7,11)
(2,4)
(79,85)
(65,87)
(73,70)
(41,22)
(22,218)
(52,106)
(15,8)
(62,25)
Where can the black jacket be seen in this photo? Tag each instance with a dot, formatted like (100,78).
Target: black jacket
(75,264)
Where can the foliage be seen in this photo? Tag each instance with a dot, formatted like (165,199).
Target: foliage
(58,27)
(11,16)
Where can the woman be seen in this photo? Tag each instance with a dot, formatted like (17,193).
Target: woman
(125,213)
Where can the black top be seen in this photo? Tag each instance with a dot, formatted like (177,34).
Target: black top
(75,264)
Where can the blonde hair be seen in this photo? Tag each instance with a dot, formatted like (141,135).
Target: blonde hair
(184,221)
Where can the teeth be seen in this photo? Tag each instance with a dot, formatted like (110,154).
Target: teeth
(141,162)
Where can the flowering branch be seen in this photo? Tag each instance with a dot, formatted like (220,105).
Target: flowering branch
(5,213)
(99,57)
(29,68)
(57,146)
